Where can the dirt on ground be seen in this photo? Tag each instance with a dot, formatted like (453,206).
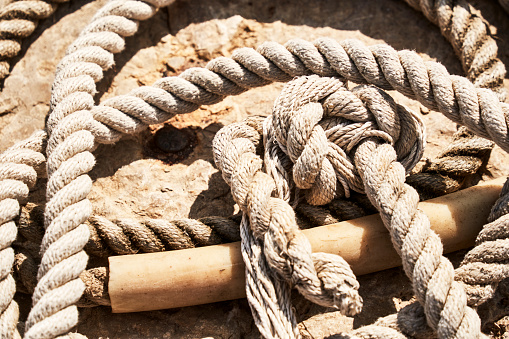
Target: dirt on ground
(133,179)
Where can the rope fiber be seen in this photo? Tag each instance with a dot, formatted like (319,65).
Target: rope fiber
(323,141)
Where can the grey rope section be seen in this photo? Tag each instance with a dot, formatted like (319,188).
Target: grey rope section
(470,37)
(18,20)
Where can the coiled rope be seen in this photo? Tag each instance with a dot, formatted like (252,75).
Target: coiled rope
(18,173)
(405,71)
(69,142)
(470,37)
(18,21)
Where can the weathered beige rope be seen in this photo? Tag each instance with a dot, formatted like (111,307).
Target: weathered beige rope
(18,174)
(442,77)
(18,20)
(129,236)
(431,273)
(380,65)
(486,265)
(69,159)
(322,278)
(66,89)
(95,280)
(471,39)
(422,97)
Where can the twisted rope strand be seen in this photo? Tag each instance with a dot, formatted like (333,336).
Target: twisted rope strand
(127,236)
(471,39)
(17,176)
(444,300)
(428,82)
(380,65)
(301,107)
(450,171)
(268,297)
(287,251)
(73,90)
(486,265)
(95,280)
(18,21)
(69,160)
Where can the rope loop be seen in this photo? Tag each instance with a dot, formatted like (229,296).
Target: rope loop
(318,123)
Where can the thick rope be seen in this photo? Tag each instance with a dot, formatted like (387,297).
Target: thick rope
(471,39)
(452,170)
(322,278)
(486,265)
(17,176)
(95,280)
(483,268)
(268,296)
(431,274)
(400,66)
(69,160)
(380,65)
(18,21)
(70,95)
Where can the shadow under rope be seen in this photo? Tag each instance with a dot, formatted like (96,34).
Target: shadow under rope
(393,21)
(171,145)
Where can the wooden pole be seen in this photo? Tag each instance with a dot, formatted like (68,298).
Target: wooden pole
(153,281)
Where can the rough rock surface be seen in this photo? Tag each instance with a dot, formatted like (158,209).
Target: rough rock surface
(134,178)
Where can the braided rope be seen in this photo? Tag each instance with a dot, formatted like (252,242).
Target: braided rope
(470,37)
(18,21)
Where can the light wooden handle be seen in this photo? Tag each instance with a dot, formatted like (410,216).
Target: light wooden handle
(154,281)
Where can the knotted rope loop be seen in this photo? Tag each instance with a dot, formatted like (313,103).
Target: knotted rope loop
(324,279)
(318,123)
(300,124)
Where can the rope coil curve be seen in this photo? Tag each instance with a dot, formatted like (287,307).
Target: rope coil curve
(268,228)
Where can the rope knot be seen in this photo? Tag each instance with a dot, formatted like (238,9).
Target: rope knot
(318,122)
